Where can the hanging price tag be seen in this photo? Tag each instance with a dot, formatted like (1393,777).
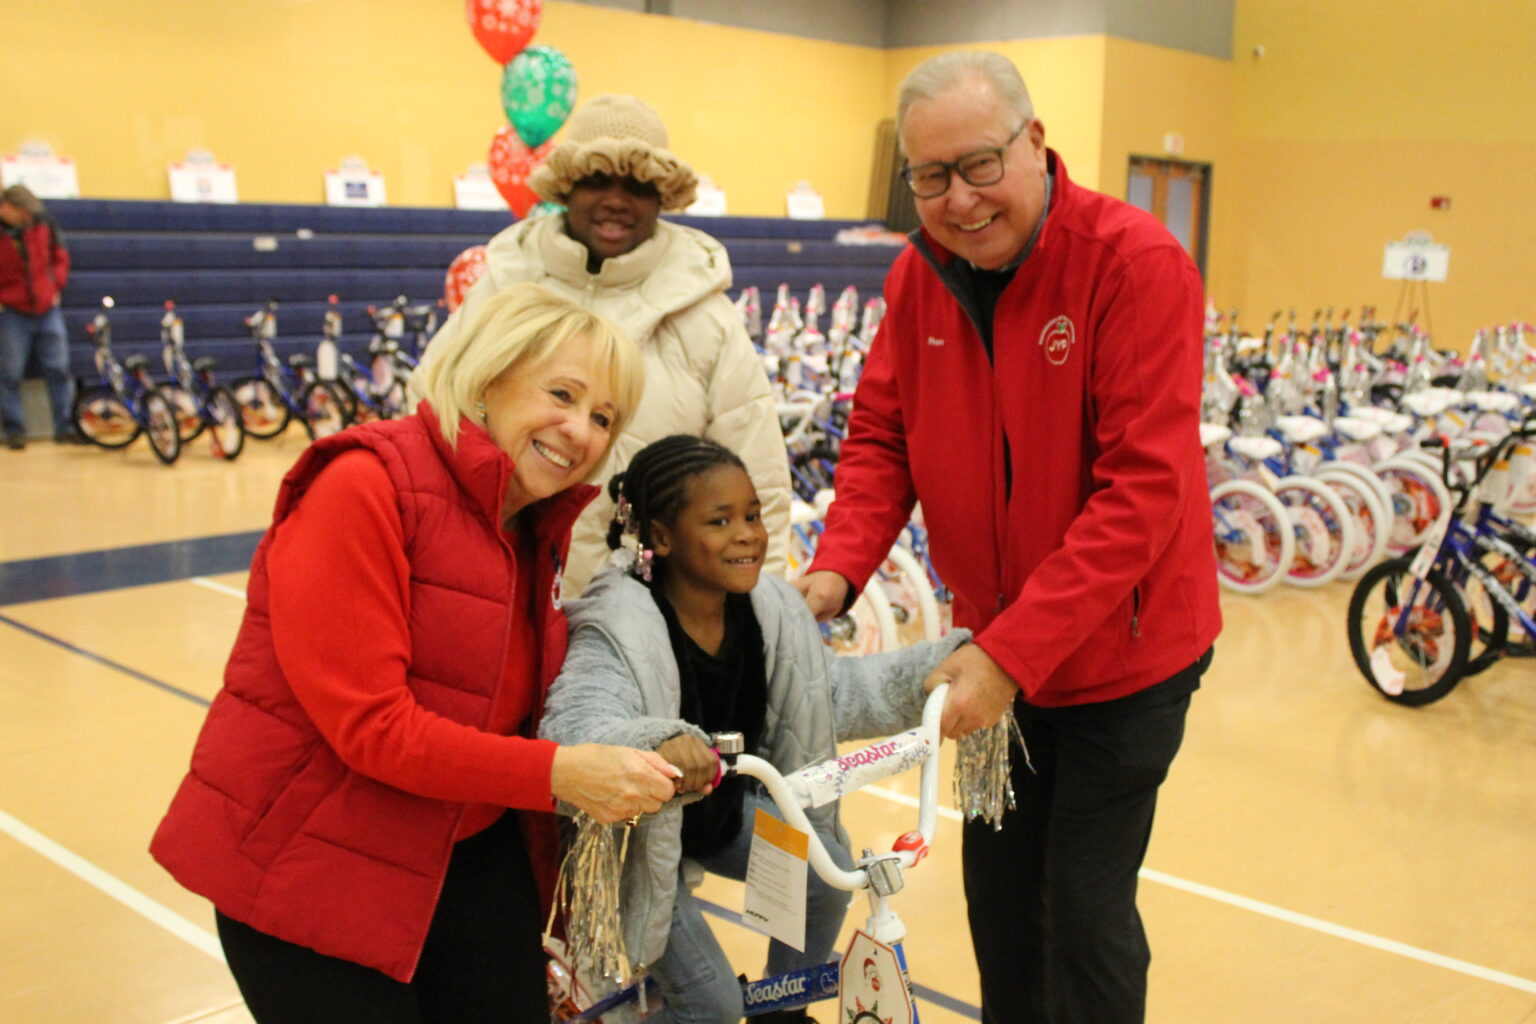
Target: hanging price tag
(776,876)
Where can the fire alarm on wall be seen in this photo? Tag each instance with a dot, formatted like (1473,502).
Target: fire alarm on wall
(1439,202)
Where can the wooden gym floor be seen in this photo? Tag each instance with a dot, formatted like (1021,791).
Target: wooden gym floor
(1320,854)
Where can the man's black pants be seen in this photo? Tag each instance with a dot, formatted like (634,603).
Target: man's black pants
(1052,896)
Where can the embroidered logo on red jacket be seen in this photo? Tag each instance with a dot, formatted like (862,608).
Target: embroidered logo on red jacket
(1057,340)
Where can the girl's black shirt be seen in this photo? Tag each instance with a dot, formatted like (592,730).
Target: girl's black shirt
(723,692)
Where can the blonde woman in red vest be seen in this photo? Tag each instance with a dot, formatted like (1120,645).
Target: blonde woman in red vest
(347,807)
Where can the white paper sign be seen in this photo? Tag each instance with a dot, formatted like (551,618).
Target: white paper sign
(776,875)
(873,984)
(804,203)
(474,190)
(353,184)
(197,181)
(1415,258)
(710,201)
(48,176)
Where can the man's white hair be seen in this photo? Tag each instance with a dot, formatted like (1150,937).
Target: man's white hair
(937,75)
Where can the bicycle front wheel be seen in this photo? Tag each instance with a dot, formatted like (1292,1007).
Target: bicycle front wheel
(325,411)
(1409,637)
(189,419)
(262,409)
(161,426)
(103,418)
(228,429)
(1254,542)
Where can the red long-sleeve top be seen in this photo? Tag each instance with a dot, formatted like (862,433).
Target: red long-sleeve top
(340,615)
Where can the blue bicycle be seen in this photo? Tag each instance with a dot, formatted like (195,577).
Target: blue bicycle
(113,413)
(279,393)
(1420,624)
(200,402)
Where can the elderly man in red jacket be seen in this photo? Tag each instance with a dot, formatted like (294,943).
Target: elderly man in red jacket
(33,268)
(1036,386)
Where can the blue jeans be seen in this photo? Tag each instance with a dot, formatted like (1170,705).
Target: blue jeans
(695,977)
(43,338)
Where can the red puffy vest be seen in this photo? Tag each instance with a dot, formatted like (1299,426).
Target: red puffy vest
(269,824)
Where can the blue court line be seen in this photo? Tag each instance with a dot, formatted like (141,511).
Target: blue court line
(108,662)
(922,992)
(90,572)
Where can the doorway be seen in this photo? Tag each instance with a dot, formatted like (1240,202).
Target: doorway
(1178,193)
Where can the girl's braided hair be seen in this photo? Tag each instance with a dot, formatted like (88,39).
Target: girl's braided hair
(655,486)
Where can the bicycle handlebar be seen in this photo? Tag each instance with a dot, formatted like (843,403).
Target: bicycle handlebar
(829,780)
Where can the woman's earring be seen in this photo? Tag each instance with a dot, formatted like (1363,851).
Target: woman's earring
(480,411)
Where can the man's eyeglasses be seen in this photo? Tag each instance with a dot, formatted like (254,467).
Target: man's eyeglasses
(983,167)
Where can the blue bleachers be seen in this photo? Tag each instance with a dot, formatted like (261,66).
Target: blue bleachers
(220,262)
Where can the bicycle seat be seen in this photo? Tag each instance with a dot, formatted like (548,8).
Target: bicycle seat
(1301,429)
(1256,449)
(1390,422)
(1426,403)
(1493,401)
(1213,433)
(133,364)
(203,364)
(1352,428)
(300,361)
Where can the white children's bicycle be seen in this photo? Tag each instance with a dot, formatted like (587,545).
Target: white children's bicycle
(871,979)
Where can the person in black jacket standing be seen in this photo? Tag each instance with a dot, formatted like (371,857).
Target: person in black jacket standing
(33,268)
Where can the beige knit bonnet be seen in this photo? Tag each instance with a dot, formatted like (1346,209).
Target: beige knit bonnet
(619,136)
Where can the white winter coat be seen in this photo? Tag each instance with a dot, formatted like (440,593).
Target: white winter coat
(702,375)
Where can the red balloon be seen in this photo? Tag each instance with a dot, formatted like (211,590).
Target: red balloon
(511,162)
(467,268)
(503,27)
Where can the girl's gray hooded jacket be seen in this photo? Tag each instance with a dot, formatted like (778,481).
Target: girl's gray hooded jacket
(620,685)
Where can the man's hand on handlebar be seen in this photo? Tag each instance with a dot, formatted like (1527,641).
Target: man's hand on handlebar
(980,692)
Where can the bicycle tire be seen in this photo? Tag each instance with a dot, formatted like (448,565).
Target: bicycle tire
(262,410)
(1324,530)
(325,411)
(1423,655)
(189,418)
(161,426)
(103,418)
(1369,514)
(1418,498)
(226,425)
(1254,542)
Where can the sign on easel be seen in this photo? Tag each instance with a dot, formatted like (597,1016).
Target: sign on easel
(709,201)
(36,166)
(804,203)
(474,190)
(1416,258)
(353,184)
(202,179)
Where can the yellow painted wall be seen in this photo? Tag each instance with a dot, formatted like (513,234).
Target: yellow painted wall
(283,89)
(1354,117)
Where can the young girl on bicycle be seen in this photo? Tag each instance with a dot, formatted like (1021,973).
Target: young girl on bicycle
(681,637)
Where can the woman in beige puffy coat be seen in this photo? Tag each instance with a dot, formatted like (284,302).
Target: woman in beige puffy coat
(663,284)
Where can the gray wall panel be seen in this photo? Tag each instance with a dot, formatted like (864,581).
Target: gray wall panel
(945,22)
(1200,26)
(858,22)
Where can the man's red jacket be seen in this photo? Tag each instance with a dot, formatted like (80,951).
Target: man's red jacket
(1061,480)
(34,265)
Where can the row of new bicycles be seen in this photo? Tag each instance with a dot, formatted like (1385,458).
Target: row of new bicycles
(1312,439)
(324,392)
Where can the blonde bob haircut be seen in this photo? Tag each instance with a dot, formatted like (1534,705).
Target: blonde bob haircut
(515,330)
